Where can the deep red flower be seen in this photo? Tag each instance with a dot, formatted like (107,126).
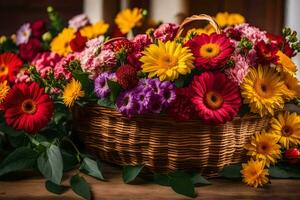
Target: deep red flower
(217,99)
(116,32)
(266,52)
(29,50)
(233,34)
(119,45)
(10,65)
(182,108)
(78,43)
(292,155)
(210,51)
(282,44)
(27,107)
(38,28)
(127,76)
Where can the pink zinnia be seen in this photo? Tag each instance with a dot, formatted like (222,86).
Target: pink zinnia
(239,70)
(166,32)
(217,99)
(45,62)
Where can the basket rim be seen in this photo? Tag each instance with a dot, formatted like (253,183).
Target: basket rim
(115,113)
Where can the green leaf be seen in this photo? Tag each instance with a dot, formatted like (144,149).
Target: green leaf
(18,140)
(50,164)
(106,103)
(161,179)
(69,160)
(198,179)
(91,168)
(244,110)
(231,171)
(181,183)
(115,90)
(19,159)
(9,130)
(54,188)
(83,77)
(80,187)
(284,171)
(131,172)
(179,83)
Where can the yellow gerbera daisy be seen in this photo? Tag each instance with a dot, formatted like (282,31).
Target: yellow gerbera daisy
(226,19)
(292,86)
(92,31)
(167,60)
(286,129)
(254,173)
(4,88)
(72,92)
(61,43)
(263,146)
(128,19)
(285,64)
(198,31)
(263,90)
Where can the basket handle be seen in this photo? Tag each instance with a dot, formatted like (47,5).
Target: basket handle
(201,17)
(111,40)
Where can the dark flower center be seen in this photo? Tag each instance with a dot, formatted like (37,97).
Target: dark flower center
(126,101)
(286,131)
(29,106)
(213,100)
(263,88)
(167,94)
(209,49)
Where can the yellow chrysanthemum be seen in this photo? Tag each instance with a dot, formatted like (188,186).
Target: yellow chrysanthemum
(95,30)
(225,19)
(285,64)
(286,129)
(72,92)
(263,146)
(128,19)
(4,88)
(263,90)
(292,86)
(61,43)
(254,173)
(167,60)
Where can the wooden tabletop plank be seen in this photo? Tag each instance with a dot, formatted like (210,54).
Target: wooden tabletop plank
(33,188)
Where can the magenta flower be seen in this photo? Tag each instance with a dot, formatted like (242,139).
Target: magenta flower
(45,63)
(166,32)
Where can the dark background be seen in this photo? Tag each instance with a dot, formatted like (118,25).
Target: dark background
(266,14)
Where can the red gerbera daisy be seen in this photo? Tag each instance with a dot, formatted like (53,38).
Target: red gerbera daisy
(217,99)
(210,51)
(10,65)
(27,107)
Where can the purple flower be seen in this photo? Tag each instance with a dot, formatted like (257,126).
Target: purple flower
(155,85)
(166,32)
(127,104)
(167,93)
(155,104)
(23,34)
(101,88)
(143,97)
(78,21)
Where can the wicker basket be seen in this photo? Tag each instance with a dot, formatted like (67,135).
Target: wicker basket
(162,144)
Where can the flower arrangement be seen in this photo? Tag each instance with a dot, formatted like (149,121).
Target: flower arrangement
(213,77)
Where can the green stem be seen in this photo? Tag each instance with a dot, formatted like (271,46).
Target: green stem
(78,156)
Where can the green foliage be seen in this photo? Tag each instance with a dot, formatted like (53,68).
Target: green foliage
(131,172)
(199,179)
(80,187)
(285,171)
(50,164)
(245,109)
(92,168)
(106,103)
(8,46)
(54,188)
(87,84)
(57,23)
(231,171)
(181,183)
(115,90)
(19,159)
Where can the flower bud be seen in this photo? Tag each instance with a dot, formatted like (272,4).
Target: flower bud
(47,36)
(286,31)
(292,155)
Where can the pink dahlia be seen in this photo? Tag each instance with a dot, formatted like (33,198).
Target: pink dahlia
(45,63)
(166,32)
(210,51)
(217,99)
(239,70)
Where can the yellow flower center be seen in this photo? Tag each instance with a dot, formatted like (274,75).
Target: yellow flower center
(167,61)
(209,50)
(29,106)
(263,89)
(213,100)
(286,131)
(3,70)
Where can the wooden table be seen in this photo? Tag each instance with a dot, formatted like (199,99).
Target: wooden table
(32,188)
